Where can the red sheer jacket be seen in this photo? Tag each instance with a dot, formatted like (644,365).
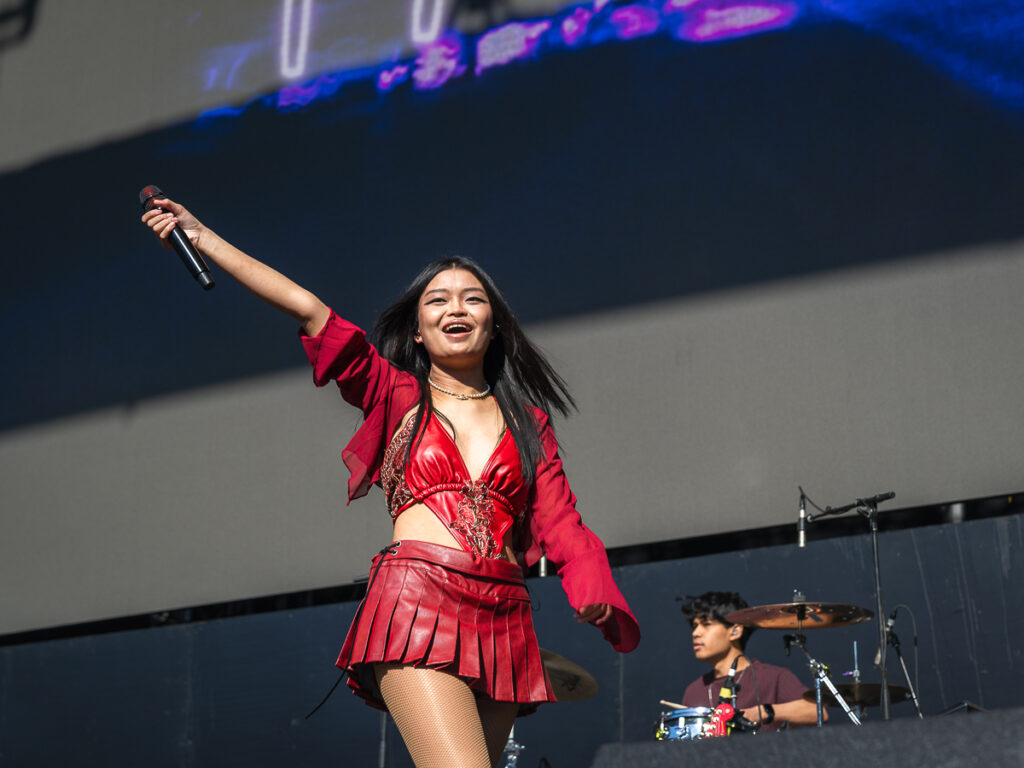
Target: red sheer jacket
(547,510)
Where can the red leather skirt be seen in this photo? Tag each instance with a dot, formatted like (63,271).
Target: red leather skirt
(432,606)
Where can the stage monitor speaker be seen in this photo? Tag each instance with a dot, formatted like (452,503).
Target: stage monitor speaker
(950,741)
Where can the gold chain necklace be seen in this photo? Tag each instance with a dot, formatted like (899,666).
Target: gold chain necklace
(460,395)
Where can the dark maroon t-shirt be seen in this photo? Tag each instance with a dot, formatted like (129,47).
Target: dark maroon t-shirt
(774,685)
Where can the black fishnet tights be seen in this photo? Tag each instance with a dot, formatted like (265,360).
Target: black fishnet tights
(443,723)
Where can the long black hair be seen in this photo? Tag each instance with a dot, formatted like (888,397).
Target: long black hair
(518,372)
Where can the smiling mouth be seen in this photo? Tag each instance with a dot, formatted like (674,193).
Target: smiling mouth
(455,328)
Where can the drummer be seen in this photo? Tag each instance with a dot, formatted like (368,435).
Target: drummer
(721,645)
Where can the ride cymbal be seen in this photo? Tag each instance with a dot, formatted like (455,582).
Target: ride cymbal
(800,615)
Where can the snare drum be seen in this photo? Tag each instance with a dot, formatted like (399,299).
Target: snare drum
(683,724)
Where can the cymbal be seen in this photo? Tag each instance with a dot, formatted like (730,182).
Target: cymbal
(570,681)
(860,694)
(802,615)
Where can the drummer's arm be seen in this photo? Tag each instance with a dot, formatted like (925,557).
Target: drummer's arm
(797,712)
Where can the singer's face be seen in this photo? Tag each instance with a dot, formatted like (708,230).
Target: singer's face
(712,640)
(455,321)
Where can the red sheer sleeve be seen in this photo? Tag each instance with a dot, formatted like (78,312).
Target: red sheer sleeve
(577,553)
(340,352)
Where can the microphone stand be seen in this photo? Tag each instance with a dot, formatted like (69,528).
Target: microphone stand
(512,749)
(868,508)
(894,641)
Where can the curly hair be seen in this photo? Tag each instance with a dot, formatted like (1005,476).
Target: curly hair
(715,606)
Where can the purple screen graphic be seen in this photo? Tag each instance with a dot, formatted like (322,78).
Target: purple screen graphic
(985,53)
(442,56)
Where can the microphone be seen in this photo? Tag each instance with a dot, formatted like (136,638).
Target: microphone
(801,523)
(727,694)
(190,257)
(888,628)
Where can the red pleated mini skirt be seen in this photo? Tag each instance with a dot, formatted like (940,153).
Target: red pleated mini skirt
(433,606)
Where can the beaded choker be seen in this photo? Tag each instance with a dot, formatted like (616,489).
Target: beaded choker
(460,395)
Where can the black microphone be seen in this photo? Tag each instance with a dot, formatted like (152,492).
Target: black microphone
(727,694)
(888,628)
(801,523)
(190,257)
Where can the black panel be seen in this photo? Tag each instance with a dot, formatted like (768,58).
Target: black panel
(122,699)
(234,691)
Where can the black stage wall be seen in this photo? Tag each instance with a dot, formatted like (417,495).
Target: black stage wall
(234,691)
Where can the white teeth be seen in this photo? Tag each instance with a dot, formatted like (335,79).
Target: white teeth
(455,328)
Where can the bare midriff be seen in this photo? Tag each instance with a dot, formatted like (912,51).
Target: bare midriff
(418,523)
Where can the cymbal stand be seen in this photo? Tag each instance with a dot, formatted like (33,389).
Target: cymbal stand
(868,508)
(855,674)
(382,750)
(512,749)
(820,672)
(894,641)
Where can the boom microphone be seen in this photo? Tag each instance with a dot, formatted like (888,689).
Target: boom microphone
(729,689)
(801,523)
(876,499)
(190,257)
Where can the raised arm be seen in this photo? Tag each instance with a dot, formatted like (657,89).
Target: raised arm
(267,283)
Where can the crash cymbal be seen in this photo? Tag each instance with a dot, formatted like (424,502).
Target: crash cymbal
(570,681)
(860,694)
(802,615)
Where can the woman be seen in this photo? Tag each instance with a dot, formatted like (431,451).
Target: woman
(456,434)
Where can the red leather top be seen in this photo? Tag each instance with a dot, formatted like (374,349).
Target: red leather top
(341,353)
(477,512)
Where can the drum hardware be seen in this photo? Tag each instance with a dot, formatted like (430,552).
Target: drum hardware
(894,641)
(855,674)
(684,724)
(868,509)
(793,615)
(820,672)
(382,749)
(512,749)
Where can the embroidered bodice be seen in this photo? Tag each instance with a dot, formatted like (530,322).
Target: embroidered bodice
(477,512)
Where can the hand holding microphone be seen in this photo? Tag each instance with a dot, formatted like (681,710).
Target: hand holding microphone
(171,222)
